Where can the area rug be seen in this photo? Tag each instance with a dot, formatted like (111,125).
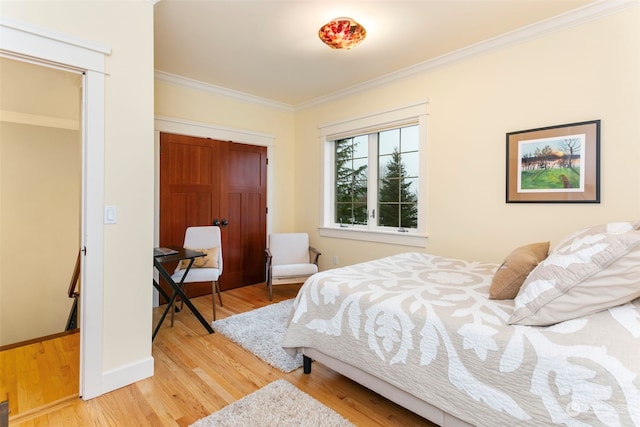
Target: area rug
(277,404)
(262,331)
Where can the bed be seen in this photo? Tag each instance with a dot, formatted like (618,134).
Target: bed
(422,331)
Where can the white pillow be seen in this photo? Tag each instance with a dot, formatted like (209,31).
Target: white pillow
(592,270)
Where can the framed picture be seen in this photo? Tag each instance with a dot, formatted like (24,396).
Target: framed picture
(555,164)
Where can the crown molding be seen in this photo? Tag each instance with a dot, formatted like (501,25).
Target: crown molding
(174,79)
(576,17)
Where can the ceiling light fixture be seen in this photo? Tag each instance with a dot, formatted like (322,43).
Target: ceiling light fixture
(342,33)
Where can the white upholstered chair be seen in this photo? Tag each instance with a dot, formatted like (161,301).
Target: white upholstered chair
(203,239)
(290,259)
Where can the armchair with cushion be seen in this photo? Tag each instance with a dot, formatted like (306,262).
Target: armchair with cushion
(290,259)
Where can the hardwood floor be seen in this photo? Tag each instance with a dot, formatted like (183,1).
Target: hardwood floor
(197,374)
(40,374)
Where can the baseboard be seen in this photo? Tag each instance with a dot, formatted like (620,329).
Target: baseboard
(128,374)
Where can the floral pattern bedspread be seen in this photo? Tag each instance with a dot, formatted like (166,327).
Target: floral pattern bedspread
(425,324)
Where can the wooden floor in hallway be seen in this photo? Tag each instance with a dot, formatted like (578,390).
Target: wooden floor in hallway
(40,375)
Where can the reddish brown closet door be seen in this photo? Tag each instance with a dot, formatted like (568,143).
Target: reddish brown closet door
(203,180)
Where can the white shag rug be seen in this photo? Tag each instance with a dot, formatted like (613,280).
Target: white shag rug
(279,403)
(262,331)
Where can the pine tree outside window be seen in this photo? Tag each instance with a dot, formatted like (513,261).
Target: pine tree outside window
(352,158)
(373,176)
(398,157)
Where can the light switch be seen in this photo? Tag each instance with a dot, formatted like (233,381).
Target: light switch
(110,215)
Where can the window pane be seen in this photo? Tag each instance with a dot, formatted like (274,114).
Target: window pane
(409,192)
(360,167)
(385,166)
(389,190)
(344,148)
(388,141)
(351,213)
(361,146)
(410,163)
(388,214)
(343,197)
(360,214)
(359,191)
(409,137)
(343,212)
(351,180)
(409,215)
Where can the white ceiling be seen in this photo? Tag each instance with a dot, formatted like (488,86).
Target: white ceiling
(270,49)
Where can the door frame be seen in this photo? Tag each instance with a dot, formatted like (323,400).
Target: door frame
(40,46)
(202,130)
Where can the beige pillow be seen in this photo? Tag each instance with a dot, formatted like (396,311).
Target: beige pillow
(593,270)
(208,261)
(515,268)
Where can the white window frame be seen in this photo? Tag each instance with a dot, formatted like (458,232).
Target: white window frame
(376,122)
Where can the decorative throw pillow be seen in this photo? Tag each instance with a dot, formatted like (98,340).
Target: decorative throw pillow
(594,269)
(515,268)
(208,261)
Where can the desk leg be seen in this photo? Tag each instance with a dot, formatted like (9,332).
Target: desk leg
(183,297)
(161,291)
(170,302)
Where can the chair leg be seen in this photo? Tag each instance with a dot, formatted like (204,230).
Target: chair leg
(214,285)
(173,309)
(270,286)
(219,294)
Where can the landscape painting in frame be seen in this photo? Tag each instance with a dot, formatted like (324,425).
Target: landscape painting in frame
(555,164)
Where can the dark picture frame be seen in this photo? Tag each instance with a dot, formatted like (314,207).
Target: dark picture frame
(554,164)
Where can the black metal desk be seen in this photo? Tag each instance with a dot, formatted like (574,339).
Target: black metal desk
(158,262)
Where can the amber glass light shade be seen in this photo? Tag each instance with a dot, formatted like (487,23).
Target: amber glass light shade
(342,33)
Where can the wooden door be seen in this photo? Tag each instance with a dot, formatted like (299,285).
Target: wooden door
(243,205)
(205,181)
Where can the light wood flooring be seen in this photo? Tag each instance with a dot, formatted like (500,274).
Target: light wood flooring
(197,374)
(40,374)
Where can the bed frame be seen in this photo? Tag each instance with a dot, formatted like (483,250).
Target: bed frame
(401,397)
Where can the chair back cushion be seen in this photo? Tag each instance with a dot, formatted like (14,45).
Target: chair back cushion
(289,248)
(210,260)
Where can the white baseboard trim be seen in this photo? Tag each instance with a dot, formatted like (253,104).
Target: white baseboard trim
(127,374)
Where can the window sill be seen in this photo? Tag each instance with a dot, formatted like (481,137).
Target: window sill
(389,237)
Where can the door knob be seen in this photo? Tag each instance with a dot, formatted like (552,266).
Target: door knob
(224,222)
(216,222)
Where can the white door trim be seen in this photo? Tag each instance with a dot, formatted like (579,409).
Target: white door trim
(29,43)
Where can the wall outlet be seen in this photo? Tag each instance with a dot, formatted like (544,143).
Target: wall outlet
(335,260)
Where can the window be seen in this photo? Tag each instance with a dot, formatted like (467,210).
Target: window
(394,191)
(373,177)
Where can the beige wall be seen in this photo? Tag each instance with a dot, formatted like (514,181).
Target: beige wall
(40,193)
(126,27)
(40,172)
(582,73)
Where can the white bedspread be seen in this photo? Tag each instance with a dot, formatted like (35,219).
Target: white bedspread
(425,324)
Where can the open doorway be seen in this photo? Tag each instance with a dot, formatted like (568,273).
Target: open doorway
(37,45)
(40,218)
